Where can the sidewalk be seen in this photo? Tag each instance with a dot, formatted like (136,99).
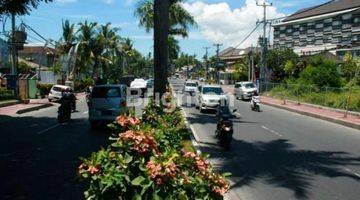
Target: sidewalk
(352,121)
(35,104)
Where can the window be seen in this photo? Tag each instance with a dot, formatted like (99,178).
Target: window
(106,92)
(237,85)
(347,16)
(57,89)
(191,84)
(282,28)
(249,85)
(319,26)
(212,90)
(329,20)
(336,23)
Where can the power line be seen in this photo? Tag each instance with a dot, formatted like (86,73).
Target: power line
(247,37)
(38,34)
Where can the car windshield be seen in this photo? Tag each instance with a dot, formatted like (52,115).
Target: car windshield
(106,92)
(213,90)
(57,89)
(249,85)
(191,84)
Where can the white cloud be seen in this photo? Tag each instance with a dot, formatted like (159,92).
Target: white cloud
(219,23)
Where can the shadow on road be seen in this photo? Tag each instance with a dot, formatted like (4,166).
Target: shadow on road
(278,163)
(43,165)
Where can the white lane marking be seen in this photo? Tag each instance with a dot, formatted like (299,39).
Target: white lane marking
(352,172)
(271,131)
(48,129)
(86,112)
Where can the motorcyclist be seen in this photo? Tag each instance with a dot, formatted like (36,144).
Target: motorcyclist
(254,99)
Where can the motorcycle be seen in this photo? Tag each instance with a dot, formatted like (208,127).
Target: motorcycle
(224,130)
(64,111)
(255,103)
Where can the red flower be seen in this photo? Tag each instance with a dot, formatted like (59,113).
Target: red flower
(94,170)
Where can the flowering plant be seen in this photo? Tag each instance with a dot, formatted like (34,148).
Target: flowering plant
(145,161)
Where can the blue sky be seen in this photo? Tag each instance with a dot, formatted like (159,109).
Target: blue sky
(225,21)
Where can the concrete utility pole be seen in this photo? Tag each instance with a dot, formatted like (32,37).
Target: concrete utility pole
(206,63)
(217,62)
(13,46)
(263,69)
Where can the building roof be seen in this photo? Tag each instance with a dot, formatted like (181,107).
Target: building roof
(38,49)
(329,7)
(233,53)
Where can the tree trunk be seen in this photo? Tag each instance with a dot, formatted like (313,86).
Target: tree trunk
(161,32)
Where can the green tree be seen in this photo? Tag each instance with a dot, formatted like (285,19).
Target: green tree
(277,59)
(349,66)
(86,38)
(321,72)
(180,20)
(68,37)
(174,48)
(19,7)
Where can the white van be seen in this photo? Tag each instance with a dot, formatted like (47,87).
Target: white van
(244,90)
(106,102)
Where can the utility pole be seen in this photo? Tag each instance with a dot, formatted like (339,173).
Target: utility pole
(263,69)
(206,63)
(217,62)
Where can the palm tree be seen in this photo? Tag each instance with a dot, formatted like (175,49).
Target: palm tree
(19,7)
(161,33)
(180,19)
(86,38)
(68,36)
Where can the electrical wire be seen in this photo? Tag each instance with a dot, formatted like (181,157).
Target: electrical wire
(247,37)
(38,34)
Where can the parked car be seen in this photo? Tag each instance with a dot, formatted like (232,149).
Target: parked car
(56,92)
(190,87)
(106,103)
(138,85)
(244,90)
(209,97)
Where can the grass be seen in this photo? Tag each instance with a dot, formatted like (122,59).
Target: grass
(334,99)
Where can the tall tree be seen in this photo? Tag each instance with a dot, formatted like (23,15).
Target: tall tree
(19,7)
(180,20)
(68,36)
(161,33)
(86,38)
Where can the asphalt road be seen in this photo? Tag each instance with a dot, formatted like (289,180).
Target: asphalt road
(277,154)
(39,157)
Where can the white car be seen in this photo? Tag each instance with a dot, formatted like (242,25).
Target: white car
(210,97)
(56,92)
(244,90)
(190,87)
(106,103)
(138,85)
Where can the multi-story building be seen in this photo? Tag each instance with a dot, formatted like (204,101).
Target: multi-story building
(332,26)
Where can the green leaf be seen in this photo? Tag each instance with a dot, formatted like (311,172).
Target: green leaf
(156,197)
(137,181)
(128,158)
(183,196)
(226,174)
(136,197)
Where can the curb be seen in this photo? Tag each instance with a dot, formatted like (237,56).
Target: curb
(187,124)
(337,121)
(11,103)
(26,110)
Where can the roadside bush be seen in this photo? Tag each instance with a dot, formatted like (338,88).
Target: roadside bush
(44,89)
(146,161)
(6,94)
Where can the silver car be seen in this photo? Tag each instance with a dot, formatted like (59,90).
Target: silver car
(106,103)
